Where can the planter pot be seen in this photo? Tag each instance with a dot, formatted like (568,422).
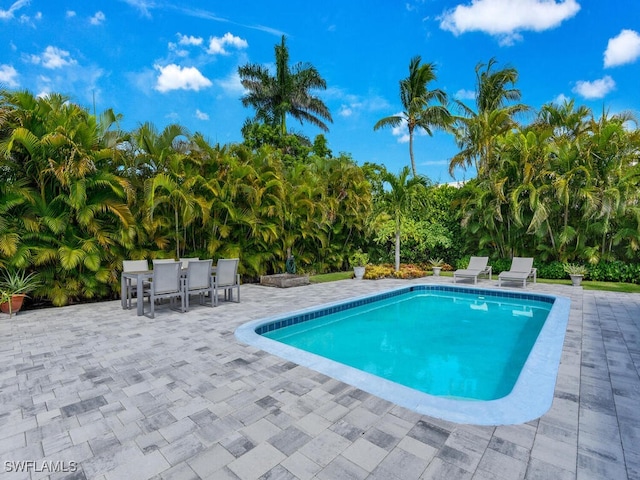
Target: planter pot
(576,280)
(284,280)
(436,271)
(16,304)
(358,272)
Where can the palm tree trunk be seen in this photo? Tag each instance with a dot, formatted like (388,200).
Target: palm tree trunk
(413,162)
(397,250)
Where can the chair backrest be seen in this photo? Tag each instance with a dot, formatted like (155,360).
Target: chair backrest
(185,261)
(226,271)
(478,263)
(521,264)
(135,265)
(199,274)
(166,277)
(162,260)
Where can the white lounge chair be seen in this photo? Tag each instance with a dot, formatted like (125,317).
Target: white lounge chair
(226,278)
(198,281)
(477,266)
(521,270)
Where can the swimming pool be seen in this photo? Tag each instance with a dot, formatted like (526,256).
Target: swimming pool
(527,395)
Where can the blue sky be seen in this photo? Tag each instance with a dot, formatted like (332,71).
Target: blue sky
(176,61)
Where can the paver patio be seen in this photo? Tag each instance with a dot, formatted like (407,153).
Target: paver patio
(96,389)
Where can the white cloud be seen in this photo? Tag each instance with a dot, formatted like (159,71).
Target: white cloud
(232,84)
(217,44)
(143,6)
(98,18)
(560,99)
(353,105)
(174,77)
(201,115)
(505,18)
(53,57)
(8,14)
(8,76)
(345,111)
(70,14)
(464,94)
(189,40)
(596,89)
(625,48)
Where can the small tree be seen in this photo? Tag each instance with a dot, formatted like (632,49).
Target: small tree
(401,192)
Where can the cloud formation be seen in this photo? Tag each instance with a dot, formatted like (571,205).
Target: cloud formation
(175,77)
(53,58)
(596,89)
(625,48)
(506,18)
(8,14)
(217,44)
(8,76)
(98,18)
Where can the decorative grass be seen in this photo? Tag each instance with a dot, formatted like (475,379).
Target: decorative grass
(331,277)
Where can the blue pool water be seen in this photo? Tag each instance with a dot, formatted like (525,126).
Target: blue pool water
(463,354)
(442,343)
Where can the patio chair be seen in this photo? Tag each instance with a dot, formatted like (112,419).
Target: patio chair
(198,281)
(130,285)
(226,278)
(521,270)
(185,262)
(166,283)
(477,266)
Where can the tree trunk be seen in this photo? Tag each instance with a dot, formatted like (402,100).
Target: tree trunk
(397,250)
(413,162)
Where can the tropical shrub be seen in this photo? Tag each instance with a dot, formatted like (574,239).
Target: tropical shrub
(387,270)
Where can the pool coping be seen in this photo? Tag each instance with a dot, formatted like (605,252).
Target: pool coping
(532,394)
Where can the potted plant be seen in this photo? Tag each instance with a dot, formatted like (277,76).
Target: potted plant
(358,261)
(14,287)
(436,266)
(576,272)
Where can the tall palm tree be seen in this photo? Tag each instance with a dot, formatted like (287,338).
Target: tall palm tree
(397,200)
(417,101)
(288,92)
(476,131)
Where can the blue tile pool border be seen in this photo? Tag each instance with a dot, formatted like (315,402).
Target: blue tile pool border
(530,398)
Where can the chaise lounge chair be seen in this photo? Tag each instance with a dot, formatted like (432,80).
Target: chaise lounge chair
(521,270)
(476,267)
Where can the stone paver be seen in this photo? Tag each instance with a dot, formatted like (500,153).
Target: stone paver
(95,392)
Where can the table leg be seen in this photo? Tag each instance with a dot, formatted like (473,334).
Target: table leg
(140,295)
(123,292)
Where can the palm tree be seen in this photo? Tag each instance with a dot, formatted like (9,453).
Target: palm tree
(397,200)
(416,98)
(288,92)
(477,131)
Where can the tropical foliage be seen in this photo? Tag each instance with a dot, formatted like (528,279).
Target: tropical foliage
(78,194)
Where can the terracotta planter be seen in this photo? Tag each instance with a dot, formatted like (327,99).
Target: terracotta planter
(16,304)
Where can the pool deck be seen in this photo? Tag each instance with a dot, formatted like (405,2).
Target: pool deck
(178,397)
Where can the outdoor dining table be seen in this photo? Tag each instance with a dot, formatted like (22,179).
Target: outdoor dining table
(140,278)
